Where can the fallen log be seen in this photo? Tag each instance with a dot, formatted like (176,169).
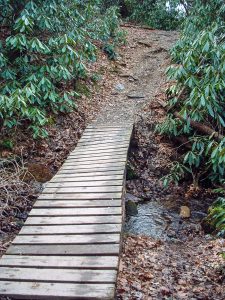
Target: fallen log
(198,126)
(201,127)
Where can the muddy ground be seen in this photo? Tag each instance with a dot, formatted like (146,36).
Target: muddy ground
(180,263)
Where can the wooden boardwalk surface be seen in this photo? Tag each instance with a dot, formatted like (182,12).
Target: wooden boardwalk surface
(69,246)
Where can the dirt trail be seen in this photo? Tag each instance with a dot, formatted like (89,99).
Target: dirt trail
(139,72)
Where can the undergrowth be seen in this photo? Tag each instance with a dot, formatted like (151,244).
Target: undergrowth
(196,107)
(44,47)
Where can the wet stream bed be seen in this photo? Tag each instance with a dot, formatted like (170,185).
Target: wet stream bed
(152,219)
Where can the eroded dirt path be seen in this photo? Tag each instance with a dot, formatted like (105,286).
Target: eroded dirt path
(138,74)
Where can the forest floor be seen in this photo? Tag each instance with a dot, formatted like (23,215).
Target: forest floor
(183,262)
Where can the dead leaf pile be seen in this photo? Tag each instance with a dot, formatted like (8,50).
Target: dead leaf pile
(153,269)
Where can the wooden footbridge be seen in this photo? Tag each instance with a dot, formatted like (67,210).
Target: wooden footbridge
(70,244)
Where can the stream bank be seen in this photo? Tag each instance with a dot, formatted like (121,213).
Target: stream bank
(165,256)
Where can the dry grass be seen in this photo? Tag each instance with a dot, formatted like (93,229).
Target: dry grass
(17,193)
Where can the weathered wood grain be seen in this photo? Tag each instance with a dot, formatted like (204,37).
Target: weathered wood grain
(96,166)
(44,290)
(92,174)
(86,196)
(76,211)
(94,149)
(106,158)
(100,137)
(83,189)
(65,250)
(84,184)
(90,170)
(85,178)
(99,153)
(71,229)
(57,262)
(68,220)
(67,239)
(58,275)
(114,141)
(119,145)
(88,161)
(77,203)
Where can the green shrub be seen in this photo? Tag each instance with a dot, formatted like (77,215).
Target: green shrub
(43,50)
(198,94)
(157,14)
(216,216)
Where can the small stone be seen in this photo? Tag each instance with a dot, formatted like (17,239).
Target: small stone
(120,87)
(131,208)
(185,212)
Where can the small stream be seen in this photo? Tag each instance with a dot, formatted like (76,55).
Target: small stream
(154,220)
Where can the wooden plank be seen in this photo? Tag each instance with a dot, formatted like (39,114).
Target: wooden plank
(91,170)
(110,130)
(77,203)
(95,160)
(96,155)
(84,183)
(43,290)
(93,148)
(118,130)
(99,153)
(96,166)
(86,196)
(86,178)
(89,148)
(65,250)
(107,158)
(66,262)
(95,143)
(57,275)
(91,174)
(76,211)
(89,161)
(112,125)
(103,137)
(92,166)
(109,219)
(67,239)
(83,189)
(107,129)
(71,229)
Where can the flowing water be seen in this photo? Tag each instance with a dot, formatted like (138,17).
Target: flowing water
(156,221)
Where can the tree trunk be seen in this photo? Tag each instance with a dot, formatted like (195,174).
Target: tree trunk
(198,126)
